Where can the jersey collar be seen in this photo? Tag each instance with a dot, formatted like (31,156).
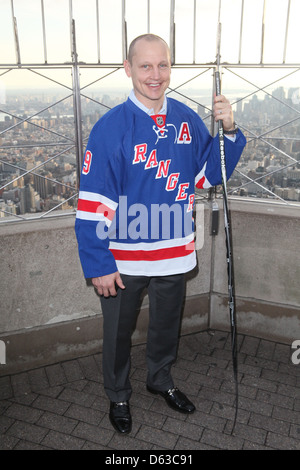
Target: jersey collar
(140,105)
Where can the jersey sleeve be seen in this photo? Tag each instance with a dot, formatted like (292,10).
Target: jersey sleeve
(97,204)
(208,161)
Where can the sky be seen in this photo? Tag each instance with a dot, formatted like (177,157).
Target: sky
(108,46)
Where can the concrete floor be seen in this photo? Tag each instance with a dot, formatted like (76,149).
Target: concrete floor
(64,407)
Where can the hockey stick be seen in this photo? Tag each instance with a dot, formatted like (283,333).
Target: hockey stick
(231,302)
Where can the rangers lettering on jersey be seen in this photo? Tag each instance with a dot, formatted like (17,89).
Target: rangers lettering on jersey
(162,171)
(141,156)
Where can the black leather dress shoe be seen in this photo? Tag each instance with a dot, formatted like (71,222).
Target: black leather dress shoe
(120,417)
(175,399)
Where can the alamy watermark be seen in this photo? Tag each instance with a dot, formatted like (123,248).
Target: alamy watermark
(2,93)
(2,352)
(296,354)
(296,96)
(157,222)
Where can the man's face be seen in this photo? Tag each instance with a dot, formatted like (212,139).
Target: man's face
(150,72)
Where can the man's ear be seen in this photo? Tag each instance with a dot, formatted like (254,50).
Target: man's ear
(127,68)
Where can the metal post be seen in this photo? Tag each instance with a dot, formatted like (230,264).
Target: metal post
(98,30)
(286,31)
(172,32)
(77,103)
(241,31)
(16,36)
(124,31)
(194,33)
(71,26)
(263,34)
(44,31)
(148,16)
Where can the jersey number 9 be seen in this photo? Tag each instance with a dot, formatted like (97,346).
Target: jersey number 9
(87,162)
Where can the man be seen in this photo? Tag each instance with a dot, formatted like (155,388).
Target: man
(143,157)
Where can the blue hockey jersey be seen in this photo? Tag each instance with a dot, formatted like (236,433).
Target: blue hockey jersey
(137,189)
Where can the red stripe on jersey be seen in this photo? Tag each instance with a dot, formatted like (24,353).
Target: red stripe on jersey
(154,255)
(96,208)
(200,183)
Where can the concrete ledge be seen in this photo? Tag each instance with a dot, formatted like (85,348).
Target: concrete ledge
(48,312)
(266,256)
(28,349)
(261,319)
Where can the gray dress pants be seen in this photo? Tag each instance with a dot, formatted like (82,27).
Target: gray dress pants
(166,294)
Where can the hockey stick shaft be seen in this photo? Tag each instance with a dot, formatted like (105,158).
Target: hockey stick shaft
(227,229)
(227,223)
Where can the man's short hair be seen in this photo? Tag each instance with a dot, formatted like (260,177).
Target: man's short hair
(148,37)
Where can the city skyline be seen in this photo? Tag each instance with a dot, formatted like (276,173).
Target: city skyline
(38,174)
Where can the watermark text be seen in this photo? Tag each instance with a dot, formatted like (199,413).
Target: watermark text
(157,222)
(296,354)
(2,352)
